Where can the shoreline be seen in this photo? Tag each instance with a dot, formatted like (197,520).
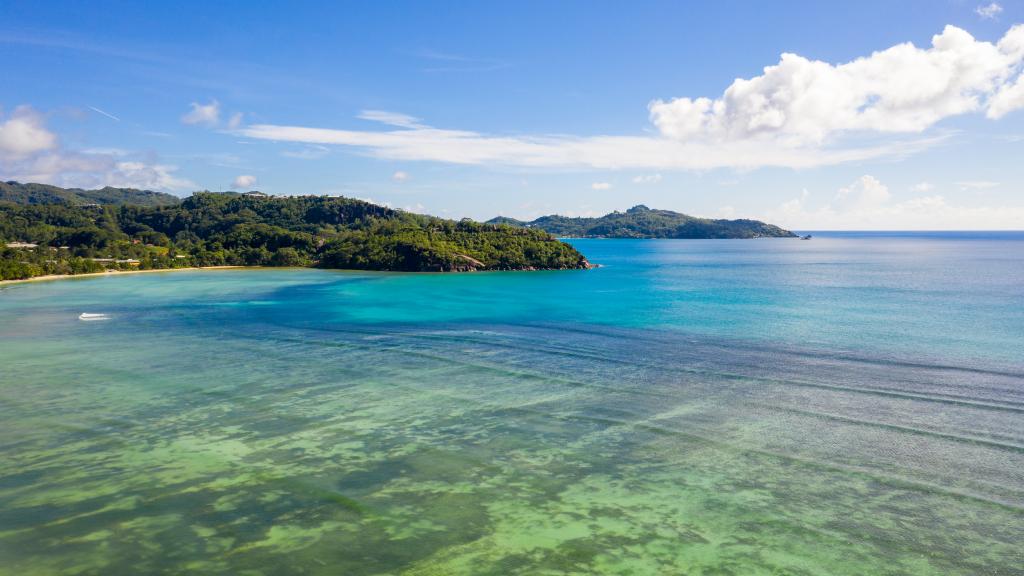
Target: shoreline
(51,277)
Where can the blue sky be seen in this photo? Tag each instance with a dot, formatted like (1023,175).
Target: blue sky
(530,108)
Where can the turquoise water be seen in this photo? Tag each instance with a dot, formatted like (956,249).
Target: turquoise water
(849,405)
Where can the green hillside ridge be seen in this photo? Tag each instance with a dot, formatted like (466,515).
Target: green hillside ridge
(227,228)
(47,194)
(643,222)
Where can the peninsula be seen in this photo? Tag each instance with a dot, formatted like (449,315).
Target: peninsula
(46,230)
(643,222)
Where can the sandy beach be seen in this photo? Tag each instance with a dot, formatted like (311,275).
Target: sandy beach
(110,273)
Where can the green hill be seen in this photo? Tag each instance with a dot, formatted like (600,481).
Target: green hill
(643,222)
(211,229)
(46,194)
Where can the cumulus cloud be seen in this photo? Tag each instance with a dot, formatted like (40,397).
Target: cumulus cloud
(989,11)
(1010,97)
(30,152)
(866,205)
(601,186)
(24,133)
(204,114)
(903,89)
(244,181)
(647,179)
(400,176)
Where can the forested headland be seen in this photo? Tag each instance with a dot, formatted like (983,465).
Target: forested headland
(65,234)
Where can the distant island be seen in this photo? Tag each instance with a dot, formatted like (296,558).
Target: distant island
(46,230)
(643,222)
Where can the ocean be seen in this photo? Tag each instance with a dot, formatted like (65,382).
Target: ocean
(848,405)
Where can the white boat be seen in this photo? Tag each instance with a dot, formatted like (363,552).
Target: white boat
(87,317)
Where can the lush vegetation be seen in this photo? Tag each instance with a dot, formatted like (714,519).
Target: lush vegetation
(46,194)
(213,229)
(642,222)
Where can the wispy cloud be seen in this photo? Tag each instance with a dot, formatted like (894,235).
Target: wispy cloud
(450,62)
(390,118)
(556,151)
(988,11)
(977,184)
(601,186)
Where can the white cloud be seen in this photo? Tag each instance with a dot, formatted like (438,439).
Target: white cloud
(921,187)
(244,181)
(601,186)
(390,118)
(92,170)
(205,114)
(903,89)
(602,152)
(235,121)
(136,174)
(988,12)
(799,113)
(400,176)
(865,192)
(977,184)
(873,209)
(647,179)
(23,133)
(1009,98)
(30,152)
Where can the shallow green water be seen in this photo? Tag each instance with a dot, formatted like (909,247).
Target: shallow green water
(848,405)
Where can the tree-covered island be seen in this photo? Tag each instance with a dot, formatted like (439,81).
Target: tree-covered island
(643,222)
